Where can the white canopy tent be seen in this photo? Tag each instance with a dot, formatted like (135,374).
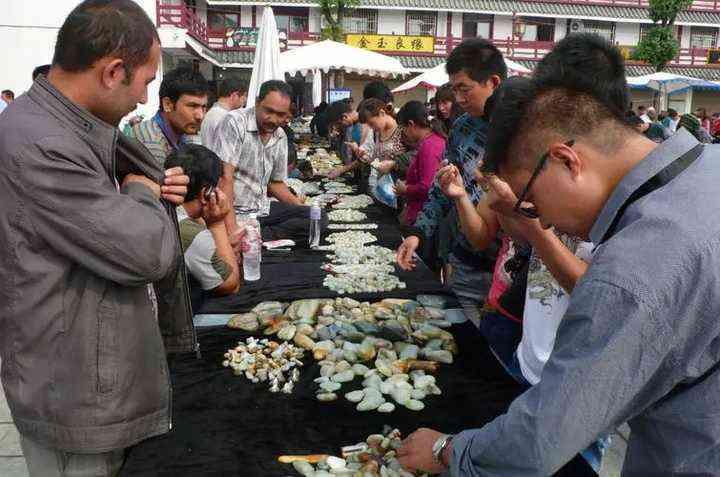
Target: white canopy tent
(666,83)
(436,77)
(329,55)
(267,56)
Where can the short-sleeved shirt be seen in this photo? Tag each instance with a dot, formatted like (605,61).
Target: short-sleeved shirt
(211,122)
(237,142)
(545,304)
(201,257)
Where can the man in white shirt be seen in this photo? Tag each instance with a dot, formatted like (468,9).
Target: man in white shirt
(232,95)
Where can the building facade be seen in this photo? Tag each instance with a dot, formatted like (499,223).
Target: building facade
(219,35)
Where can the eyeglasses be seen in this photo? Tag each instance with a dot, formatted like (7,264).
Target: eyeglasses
(531,211)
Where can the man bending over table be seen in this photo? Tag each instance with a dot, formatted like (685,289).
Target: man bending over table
(253,147)
(209,256)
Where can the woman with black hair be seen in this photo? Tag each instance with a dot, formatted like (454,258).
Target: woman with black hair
(319,123)
(430,144)
(446,109)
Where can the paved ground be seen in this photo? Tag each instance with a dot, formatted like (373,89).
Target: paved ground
(12,463)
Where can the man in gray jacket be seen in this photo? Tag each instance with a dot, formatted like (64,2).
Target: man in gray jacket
(85,236)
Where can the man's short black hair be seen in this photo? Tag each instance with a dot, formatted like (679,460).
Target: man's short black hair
(183,80)
(200,164)
(378,90)
(672,113)
(525,120)
(96,29)
(478,58)
(8,93)
(336,109)
(275,85)
(229,86)
(40,70)
(587,62)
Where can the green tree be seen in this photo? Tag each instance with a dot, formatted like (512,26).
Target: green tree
(333,12)
(660,45)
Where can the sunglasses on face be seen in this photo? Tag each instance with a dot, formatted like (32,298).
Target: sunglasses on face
(530,211)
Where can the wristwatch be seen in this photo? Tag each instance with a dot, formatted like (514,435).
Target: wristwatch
(439,447)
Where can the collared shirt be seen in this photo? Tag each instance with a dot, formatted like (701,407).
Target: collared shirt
(3,105)
(150,133)
(210,123)
(238,143)
(642,320)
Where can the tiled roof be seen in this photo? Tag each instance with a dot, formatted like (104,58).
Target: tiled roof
(235,57)
(523,8)
(708,73)
(415,63)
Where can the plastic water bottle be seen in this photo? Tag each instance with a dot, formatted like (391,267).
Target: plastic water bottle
(252,250)
(314,235)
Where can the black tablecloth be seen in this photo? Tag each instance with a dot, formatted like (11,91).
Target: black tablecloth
(225,425)
(288,276)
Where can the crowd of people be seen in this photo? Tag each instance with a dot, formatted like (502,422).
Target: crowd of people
(577,235)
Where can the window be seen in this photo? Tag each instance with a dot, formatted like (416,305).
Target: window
(538,29)
(604,29)
(220,22)
(703,37)
(646,27)
(291,24)
(359,20)
(477,25)
(421,23)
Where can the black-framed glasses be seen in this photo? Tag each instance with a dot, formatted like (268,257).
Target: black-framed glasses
(530,211)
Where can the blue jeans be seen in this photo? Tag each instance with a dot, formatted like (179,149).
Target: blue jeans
(503,336)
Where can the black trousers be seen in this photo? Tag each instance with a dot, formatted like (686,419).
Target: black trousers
(289,221)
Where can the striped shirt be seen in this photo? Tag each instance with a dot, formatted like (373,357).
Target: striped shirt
(237,142)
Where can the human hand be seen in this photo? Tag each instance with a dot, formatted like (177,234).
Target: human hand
(385,167)
(174,187)
(236,241)
(335,173)
(352,145)
(451,183)
(400,188)
(416,452)
(152,185)
(216,208)
(406,251)
(501,198)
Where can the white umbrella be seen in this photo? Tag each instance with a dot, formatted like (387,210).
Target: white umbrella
(666,82)
(267,56)
(436,77)
(317,88)
(329,55)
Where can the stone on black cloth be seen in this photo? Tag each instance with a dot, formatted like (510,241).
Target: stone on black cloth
(225,425)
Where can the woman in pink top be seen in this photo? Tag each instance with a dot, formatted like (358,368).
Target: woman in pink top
(429,141)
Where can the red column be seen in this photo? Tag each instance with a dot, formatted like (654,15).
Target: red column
(254,16)
(448,34)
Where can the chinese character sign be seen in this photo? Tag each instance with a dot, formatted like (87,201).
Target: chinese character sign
(411,44)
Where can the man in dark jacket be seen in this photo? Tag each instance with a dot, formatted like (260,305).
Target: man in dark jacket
(85,237)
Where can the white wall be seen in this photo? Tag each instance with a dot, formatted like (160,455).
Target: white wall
(457,20)
(314,20)
(560,28)
(29,33)
(685,37)
(442,24)
(503,27)
(391,22)
(246,16)
(627,33)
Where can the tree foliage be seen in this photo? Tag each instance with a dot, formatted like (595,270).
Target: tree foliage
(664,12)
(333,12)
(659,46)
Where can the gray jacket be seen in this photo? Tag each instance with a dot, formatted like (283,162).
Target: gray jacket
(83,361)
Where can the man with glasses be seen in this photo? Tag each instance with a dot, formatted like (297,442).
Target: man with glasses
(476,68)
(639,341)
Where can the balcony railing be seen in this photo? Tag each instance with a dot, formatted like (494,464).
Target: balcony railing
(697,5)
(181,16)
